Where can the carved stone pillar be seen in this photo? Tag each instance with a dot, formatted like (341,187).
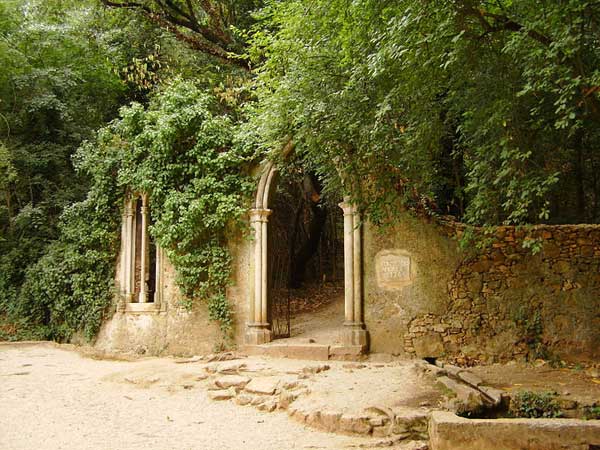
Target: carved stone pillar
(144,247)
(259,331)
(129,248)
(354,333)
(159,279)
(123,260)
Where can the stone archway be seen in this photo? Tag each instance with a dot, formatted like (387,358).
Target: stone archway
(258,328)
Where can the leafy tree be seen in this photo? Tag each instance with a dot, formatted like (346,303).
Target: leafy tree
(487,108)
(212,27)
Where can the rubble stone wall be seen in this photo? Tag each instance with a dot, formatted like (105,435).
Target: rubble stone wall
(495,303)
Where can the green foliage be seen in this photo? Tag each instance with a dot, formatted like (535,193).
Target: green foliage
(490,108)
(67,68)
(182,151)
(531,404)
(591,413)
(56,87)
(69,288)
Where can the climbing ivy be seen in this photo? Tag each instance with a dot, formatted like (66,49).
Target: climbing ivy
(185,153)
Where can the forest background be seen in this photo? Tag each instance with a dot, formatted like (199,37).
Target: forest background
(488,111)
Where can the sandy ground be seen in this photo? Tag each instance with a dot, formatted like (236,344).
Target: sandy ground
(321,324)
(52,398)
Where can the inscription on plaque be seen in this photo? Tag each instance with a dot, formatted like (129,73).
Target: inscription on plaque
(393,269)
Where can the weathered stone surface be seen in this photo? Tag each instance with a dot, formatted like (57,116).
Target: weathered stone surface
(413,422)
(493,394)
(470,378)
(450,432)
(330,420)
(346,352)
(315,369)
(297,413)
(382,430)
(235,381)
(393,269)
(223,394)
(484,300)
(231,367)
(258,400)
(429,346)
(286,398)
(243,399)
(269,405)
(355,424)
(468,400)
(354,366)
(314,352)
(262,385)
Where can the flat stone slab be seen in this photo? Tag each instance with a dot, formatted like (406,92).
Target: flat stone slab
(450,432)
(235,381)
(223,394)
(470,378)
(314,352)
(263,385)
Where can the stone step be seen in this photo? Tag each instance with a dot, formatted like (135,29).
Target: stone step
(309,351)
(314,352)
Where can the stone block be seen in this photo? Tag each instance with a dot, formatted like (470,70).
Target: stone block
(223,394)
(258,336)
(428,346)
(235,381)
(346,352)
(230,367)
(449,432)
(262,385)
(286,398)
(492,394)
(470,378)
(243,399)
(269,405)
(355,424)
(355,336)
(330,420)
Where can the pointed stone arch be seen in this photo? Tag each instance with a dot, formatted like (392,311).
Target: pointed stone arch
(258,328)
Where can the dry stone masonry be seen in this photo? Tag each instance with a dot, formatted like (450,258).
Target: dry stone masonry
(503,301)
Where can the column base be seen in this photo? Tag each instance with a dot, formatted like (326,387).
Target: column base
(355,335)
(258,334)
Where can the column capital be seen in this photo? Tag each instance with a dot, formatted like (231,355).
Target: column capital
(349,209)
(259,215)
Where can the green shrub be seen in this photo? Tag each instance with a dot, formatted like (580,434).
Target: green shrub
(534,405)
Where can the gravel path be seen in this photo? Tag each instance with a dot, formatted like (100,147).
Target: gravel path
(52,398)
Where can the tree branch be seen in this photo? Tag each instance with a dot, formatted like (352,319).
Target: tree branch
(212,40)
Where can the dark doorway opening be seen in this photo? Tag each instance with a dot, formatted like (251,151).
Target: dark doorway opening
(305,260)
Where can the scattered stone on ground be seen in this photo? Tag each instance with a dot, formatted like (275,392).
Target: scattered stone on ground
(66,401)
(387,404)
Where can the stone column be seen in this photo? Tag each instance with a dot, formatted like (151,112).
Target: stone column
(123,260)
(354,333)
(129,245)
(348,262)
(158,281)
(258,331)
(144,255)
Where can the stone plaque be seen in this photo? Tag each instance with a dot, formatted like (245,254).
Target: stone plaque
(393,269)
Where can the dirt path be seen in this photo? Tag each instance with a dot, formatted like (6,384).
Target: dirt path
(51,398)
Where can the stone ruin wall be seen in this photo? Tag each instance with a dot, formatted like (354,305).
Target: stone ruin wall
(492,304)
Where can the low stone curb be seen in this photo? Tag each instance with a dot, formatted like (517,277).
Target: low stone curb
(229,381)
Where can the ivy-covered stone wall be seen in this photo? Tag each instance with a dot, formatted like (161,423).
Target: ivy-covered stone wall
(501,301)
